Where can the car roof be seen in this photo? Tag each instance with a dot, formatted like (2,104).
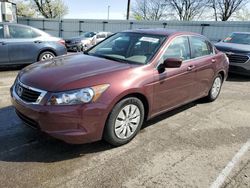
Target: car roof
(27,26)
(161,31)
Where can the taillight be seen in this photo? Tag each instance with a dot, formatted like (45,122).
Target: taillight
(62,42)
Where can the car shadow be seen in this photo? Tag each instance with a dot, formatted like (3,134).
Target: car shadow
(172,113)
(12,67)
(28,145)
(238,78)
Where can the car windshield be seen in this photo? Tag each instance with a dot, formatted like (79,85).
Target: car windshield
(129,47)
(238,38)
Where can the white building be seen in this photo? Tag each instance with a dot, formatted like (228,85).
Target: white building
(7,11)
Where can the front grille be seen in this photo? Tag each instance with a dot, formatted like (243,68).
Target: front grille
(26,94)
(237,58)
(27,120)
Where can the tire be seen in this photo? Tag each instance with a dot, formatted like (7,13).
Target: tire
(215,89)
(124,121)
(46,56)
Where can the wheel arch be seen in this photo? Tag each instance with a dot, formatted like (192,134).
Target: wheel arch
(142,98)
(46,50)
(223,75)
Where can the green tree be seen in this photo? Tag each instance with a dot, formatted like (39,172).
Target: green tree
(25,9)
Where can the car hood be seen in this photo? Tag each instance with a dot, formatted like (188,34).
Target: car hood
(60,73)
(231,47)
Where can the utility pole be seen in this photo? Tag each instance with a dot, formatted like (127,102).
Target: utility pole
(108,11)
(128,9)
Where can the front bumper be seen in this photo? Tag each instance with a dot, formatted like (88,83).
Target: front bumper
(76,124)
(73,46)
(243,69)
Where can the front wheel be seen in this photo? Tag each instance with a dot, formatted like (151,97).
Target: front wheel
(215,90)
(124,121)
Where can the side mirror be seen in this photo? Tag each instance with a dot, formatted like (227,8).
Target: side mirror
(172,63)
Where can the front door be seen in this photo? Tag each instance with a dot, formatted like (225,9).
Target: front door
(174,86)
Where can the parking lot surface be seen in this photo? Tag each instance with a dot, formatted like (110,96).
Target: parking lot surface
(187,147)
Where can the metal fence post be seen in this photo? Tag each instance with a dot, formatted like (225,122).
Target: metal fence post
(104,23)
(203,27)
(60,28)
(131,25)
(43,25)
(80,27)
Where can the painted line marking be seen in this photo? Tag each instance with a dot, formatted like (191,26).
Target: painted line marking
(227,170)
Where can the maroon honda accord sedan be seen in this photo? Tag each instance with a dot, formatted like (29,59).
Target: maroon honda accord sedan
(108,92)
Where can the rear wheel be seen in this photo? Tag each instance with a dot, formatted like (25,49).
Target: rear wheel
(215,90)
(124,121)
(46,56)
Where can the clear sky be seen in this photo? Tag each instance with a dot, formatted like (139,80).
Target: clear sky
(96,9)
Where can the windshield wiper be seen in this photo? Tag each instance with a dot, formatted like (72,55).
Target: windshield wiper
(111,58)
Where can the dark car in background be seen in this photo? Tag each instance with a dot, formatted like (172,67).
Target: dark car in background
(237,48)
(82,42)
(21,44)
(109,91)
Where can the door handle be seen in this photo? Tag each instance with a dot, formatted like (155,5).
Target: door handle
(38,41)
(214,61)
(190,68)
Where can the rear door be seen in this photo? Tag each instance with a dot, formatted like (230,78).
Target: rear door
(204,60)
(23,45)
(4,55)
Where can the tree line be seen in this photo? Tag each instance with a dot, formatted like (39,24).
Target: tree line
(187,10)
(184,10)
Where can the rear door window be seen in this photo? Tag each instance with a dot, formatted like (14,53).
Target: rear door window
(19,32)
(1,31)
(200,47)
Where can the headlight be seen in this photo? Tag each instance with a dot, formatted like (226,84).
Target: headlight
(79,96)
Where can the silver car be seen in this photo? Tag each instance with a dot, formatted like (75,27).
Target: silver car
(20,44)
